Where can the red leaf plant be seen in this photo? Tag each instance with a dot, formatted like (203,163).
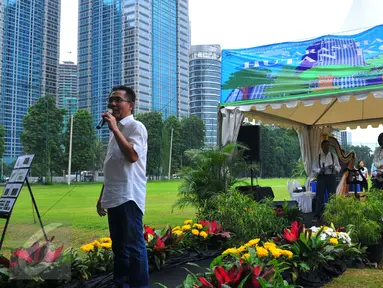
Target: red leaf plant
(214,228)
(36,254)
(293,234)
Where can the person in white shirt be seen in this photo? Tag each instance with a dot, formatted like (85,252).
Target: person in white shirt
(377,181)
(364,172)
(325,167)
(123,194)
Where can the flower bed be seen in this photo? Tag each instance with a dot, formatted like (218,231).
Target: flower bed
(165,247)
(300,256)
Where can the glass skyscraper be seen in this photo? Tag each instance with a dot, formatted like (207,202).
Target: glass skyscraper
(205,87)
(67,89)
(143,44)
(30,56)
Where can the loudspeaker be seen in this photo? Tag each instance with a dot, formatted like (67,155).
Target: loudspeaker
(263,193)
(250,135)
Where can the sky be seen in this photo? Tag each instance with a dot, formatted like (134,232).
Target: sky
(251,23)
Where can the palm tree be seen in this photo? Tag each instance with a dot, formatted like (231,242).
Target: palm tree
(213,171)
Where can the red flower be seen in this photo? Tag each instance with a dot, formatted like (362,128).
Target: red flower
(148,231)
(23,254)
(205,283)
(213,226)
(232,277)
(221,275)
(254,283)
(52,256)
(292,235)
(159,245)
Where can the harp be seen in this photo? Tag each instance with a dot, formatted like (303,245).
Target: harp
(346,162)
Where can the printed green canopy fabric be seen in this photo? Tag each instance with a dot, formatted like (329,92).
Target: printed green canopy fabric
(328,81)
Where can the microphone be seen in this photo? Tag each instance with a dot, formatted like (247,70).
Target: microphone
(102,121)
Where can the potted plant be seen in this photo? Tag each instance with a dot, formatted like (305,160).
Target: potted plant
(362,218)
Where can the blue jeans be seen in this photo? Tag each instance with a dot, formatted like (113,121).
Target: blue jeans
(128,245)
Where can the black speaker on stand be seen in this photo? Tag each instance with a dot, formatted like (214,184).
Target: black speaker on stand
(250,135)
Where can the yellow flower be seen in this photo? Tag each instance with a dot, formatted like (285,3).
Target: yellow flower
(203,234)
(262,252)
(253,242)
(334,241)
(177,232)
(276,252)
(242,248)
(106,240)
(287,253)
(95,243)
(106,245)
(176,228)
(87,247)
(269,245)
(245,256)
(195,232)
(186,227)
(231,251)
(198,226)
(187,222)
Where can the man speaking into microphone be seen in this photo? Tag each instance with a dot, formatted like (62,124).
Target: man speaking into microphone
(123,194)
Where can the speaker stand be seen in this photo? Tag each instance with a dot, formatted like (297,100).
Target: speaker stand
(252,177)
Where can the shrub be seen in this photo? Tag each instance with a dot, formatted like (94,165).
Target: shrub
(213,171)
(244,217)
(361,217)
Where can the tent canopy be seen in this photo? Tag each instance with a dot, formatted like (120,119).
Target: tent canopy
(332,81)
(313,86)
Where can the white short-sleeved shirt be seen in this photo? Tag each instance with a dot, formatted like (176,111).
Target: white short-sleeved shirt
(125,181)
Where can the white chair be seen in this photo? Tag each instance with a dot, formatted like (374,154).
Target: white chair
(304,199)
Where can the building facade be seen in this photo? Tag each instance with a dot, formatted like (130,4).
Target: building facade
(143,44)
(205,87)
(67,89)
(30,57)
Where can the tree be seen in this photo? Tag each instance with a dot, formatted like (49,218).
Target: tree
(363,153)
(246,78)
(42,136)
(280,152)
(82,141)
(192,135)
(154,125)
(99,154)
(169,123)
(2,142)
(213,171)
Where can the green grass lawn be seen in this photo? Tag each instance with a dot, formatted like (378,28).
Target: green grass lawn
(77,214)
(80,223)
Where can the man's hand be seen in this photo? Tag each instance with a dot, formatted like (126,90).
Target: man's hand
(331,167)
(112,122)
(101,211)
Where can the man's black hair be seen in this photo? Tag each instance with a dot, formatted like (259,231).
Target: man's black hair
(324,141)
(131,95)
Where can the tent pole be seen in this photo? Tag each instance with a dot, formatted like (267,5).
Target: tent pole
(325,111)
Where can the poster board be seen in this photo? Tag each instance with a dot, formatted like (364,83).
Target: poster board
(14,185)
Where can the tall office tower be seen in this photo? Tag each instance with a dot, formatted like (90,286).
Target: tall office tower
(143,44)
(67,88)
(205,87)
(30,56)
(1,48)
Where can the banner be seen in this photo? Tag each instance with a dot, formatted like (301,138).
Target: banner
(318,67)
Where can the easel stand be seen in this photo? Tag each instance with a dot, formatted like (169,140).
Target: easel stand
(12,191)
